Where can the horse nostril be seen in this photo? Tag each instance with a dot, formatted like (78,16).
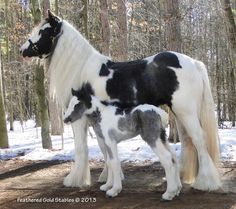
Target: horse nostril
(20,51)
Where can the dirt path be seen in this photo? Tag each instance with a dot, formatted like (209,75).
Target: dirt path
(40,183)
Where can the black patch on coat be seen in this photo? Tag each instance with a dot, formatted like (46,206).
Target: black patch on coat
(167,59)
(124,79)
(105,103)
(155,82)
(116,104)
(104,71)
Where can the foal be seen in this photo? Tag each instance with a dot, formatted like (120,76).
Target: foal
(113,124)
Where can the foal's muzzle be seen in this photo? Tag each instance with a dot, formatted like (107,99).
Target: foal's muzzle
(67,120)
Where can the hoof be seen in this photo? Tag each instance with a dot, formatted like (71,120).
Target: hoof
(164,200)
(113,192)
(105,187)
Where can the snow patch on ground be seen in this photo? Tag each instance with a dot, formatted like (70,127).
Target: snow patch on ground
(25,143)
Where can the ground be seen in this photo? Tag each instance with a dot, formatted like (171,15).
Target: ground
(24,180)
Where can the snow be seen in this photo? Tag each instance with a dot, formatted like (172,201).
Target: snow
(25,143)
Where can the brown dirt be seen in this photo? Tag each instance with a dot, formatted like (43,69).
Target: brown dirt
(142,188)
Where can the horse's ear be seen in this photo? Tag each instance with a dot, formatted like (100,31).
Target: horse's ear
(52,16)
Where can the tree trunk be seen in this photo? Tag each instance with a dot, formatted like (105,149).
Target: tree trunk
(105,27)
(231,23)
(56,7)
(122,47)
(43,107)
(40,88)
(172,24)
(173,40)
(45,6)
(54,110)
(85,18)
(11,114)
(3,127)
(55,118)
(231,26)
(7,25)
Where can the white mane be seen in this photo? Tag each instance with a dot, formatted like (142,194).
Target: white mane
(74,61)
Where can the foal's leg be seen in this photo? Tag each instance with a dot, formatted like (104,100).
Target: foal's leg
(79,175)
(103,176)
(113,185)
(208,177)
(109,181)
(176,166)
(168,162)
(116,170)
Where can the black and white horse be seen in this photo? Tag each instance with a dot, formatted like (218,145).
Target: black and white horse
(113,124)
(166,78)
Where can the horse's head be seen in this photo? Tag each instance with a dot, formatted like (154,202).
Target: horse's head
(43,38)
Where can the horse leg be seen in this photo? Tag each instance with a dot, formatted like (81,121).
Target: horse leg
(116,170)
(79,175)
(171,170)
(188,156)
(208,177)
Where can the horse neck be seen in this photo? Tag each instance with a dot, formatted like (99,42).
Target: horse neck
(68,62)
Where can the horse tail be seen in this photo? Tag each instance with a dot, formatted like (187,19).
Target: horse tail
(207,116)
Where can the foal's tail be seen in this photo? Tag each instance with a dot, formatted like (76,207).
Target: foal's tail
(207,116)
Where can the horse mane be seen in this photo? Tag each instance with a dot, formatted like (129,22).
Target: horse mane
(72,58)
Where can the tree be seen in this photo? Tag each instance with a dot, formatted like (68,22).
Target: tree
(232,74)
(43,107)
(40,88)
(105,27)
(122,45)
(7,25)
(54,111)
(231,23)
(85,17)
(173,42)
(3,127)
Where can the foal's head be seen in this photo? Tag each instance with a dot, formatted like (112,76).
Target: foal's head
(79,104)
(43,38)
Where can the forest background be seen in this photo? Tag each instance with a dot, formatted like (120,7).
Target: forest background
(124,30)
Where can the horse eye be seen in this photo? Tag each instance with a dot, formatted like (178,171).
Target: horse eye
(40,32)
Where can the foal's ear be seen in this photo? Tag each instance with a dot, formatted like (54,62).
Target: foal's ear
(73,92)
